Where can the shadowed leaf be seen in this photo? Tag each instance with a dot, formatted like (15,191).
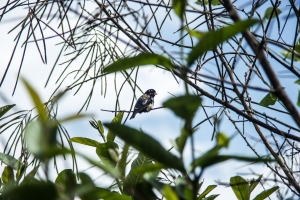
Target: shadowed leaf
(146,144)
(10,161)
(5,109)
(212,39)
(85,141)
(269,99)
(240,188)
(117,120)
(139,60)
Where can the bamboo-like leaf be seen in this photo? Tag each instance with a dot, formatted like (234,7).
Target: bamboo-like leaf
(37,101)
(212,39)
(265,194)
(146,144)
(240,188)
(179,7)
(5,109)
(85,141)
(139,60)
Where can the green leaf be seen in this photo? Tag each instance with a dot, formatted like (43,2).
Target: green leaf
(5,109)
(181,140)
(105,155)
(87,190)
(122,162)
(211,197)
(297,82)
(135,176)
(184,106)
(183,188)
(168,193)
(269,11)
(35,191)
(41,138)
(147,145)
(98,125)
(212,39)
(222,140)
(117,120)
(111,195)
(29,178)
(298,102)
(213,2)
(179,7)
(206,191)
(269,99)
(85,141)
(10,161)
(66,183)
(139,60)
(37,101)
(265,194)
(7,177)
(254,183)
(288,55)
(240,188)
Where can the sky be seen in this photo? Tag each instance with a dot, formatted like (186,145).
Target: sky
(161,124)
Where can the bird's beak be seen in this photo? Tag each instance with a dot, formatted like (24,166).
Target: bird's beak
(155,93)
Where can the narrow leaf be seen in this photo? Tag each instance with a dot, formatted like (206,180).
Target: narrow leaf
(206,191)
(37,101)
(147,145)
(179,7)
(169,193)
(139,60)
(265,194)
(212,39)
(5,109)
(104,154)
(254,183)
(85,141)
(8,176)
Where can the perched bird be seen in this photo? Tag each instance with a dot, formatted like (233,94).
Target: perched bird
(145,103)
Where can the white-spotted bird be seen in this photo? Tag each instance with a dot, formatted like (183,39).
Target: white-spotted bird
(145,103)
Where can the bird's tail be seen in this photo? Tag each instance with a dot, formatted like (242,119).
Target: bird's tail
(133,114)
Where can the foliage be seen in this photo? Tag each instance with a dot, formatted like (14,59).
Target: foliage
(222,52)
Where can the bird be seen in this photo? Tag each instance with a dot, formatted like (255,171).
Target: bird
(145,103)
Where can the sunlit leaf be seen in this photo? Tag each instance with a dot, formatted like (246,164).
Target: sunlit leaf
(117,120)
(10,161)
(240,188)
(288,55)
(169,193)
(139,60)
(146,144)
(206,191)
(85,141)
(212,39)
(297,82)
(213,2)
(5,109)
(8,177)
(184,106)
(269,99)
(211,197)
(179,7)
(37,101)
(269,11)
(222,140)
(265,194)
